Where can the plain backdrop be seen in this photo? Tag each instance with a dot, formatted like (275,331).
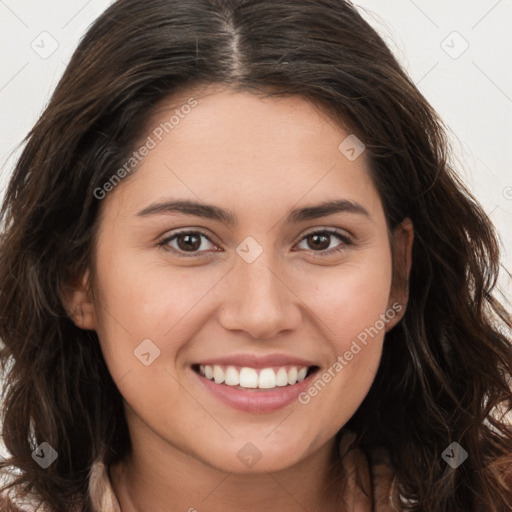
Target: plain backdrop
(457,52)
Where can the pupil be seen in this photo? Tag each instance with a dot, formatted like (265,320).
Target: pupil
(188,243)
(316,239)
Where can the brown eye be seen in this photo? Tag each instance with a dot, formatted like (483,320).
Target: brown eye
(187,242)
(321,241)
(318,241)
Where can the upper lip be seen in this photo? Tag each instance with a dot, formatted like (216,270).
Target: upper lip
(257,361)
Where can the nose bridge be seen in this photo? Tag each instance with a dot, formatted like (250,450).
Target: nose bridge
(260,282)
(253,266)
(256,298)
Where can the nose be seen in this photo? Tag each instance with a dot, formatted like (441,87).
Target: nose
(258,299)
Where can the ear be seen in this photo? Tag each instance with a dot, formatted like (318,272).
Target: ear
(78,301)
(403,237)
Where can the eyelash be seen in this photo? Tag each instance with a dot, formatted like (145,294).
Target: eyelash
(329,232)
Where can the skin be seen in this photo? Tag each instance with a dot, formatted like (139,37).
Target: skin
(260,158)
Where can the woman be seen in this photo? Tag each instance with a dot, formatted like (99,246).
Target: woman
(238,271)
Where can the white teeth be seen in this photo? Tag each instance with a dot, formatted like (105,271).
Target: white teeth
(282,377)
(266,378)
(218,374)
(248,378)
(232,377)
(208,372)
(292,375)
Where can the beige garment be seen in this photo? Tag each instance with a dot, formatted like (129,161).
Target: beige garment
(370,484)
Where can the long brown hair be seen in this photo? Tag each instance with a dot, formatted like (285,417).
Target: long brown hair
(446,368)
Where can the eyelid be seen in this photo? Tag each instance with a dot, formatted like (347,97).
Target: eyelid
(166,239)
(337,231)
(345,237)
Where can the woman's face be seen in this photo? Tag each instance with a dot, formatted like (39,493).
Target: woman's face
(253,278)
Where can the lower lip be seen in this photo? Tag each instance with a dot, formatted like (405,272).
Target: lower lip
(253,400)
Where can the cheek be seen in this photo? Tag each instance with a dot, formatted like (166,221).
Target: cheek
(350,298)
(350,304)
(141,309)
(139,301)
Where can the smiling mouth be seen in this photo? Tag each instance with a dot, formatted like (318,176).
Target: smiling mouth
(255,378)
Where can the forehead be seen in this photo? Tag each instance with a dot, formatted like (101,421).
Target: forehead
(245,148)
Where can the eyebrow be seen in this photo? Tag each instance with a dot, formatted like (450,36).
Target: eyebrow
(208,211)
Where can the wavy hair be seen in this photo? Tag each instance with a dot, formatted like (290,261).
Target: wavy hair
(445,373)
